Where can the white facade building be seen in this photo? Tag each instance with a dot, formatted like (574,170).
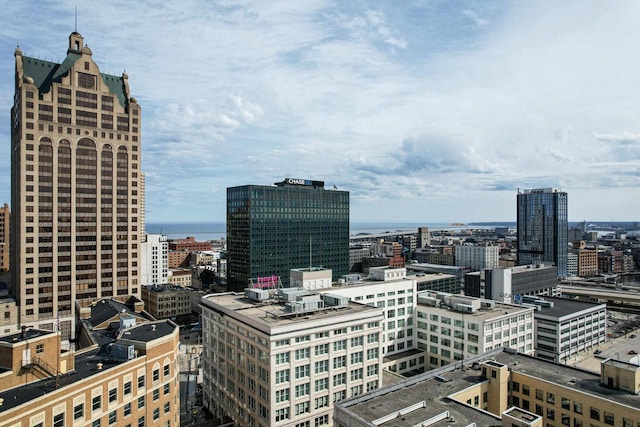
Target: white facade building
(283,357)
(477,257)
(565,327)
(154,259)
(452,328)
(388,288)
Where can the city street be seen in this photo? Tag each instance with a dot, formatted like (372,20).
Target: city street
(190,377)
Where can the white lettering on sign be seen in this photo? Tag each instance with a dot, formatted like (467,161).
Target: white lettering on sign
(298,181)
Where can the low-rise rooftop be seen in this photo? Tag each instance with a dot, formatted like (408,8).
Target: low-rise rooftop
(86,365)
(562,307)
(25,335)
(102,349)
(271,312)
(434,388)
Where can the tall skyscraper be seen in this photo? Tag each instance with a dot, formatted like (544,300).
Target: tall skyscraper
(543,228)
(295,223)
(75,183)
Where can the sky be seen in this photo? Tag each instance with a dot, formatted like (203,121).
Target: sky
(425,111)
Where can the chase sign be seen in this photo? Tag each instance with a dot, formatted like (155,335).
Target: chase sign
(301,182)
(296,181)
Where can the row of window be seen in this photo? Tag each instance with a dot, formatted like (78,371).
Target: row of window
(566,404)
(284,375)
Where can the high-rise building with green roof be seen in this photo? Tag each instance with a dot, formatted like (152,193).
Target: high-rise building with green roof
(77,191)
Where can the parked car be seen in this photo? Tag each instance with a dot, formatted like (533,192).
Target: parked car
(632,352)
(597,352)
(632,336)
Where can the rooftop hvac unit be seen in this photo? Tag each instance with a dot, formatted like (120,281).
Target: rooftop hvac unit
(121,351)
(427,300)
(308,297)
(291,294)
(334,300)
(464,308)
(488,304)
(126,321)
(256,294)
(293,307)
(310,305)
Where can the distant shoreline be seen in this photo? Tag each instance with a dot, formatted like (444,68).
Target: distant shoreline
(218,230)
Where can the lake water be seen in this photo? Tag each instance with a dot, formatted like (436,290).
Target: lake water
(218,230)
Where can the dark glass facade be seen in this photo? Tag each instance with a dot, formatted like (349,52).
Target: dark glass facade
(272,229)
(543,228)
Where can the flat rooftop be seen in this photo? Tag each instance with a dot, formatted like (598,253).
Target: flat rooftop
(430,388)
(272,312)
(564,306)
(29,334)
(435,386)
(481,314)
(146,332)
(522,415)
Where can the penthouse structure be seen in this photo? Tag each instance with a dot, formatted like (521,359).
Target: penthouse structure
(294,223)
(125,372)
(285,357)
(453,328)
(75,187)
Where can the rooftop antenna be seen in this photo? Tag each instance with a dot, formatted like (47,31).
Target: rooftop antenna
(76,19)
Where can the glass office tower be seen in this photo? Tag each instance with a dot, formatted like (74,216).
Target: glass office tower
(543,228)
(294,224)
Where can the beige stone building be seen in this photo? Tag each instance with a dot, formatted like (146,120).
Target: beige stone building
(125,372)
(285,358)
(180,277)
(75,187)
(5,221)
(8,314)
(505,389)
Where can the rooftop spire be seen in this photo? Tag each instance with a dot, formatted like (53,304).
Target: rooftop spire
(76,42)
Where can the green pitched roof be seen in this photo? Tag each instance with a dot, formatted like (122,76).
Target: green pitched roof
(44,73)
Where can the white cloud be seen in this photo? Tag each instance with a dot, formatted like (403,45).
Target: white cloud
(471,14)
(429,106)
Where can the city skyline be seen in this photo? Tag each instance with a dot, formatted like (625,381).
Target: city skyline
(433,106)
